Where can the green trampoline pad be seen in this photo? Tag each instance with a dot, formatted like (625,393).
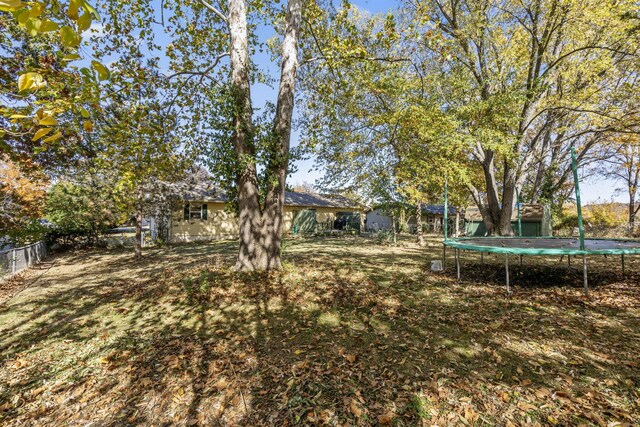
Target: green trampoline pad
(545,245)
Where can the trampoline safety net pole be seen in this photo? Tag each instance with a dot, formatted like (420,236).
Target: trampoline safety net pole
(519,219)
(574,166)
(446,208)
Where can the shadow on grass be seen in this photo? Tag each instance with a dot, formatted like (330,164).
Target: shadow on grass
(349,332)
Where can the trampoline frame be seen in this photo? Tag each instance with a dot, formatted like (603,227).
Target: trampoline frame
(466,243)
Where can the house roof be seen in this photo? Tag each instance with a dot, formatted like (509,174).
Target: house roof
(426,209)
(203,192)
(437,209)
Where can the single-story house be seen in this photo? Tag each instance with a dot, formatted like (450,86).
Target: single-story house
(534,218)
(432,218)
(205,215)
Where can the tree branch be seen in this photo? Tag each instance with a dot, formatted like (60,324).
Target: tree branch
(216,11)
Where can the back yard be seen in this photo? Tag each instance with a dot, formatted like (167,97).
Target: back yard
(351,333)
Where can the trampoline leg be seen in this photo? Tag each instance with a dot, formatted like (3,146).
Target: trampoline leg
(622,256)
(482,258)
(444,256)
(458,264)
(584,273)
(569,258)
(520,261)
(506,269)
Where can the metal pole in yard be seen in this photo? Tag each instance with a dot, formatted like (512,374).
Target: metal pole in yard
(574,166)
(622,256)
(482,258)
(520,261)
(584,273)
(14,259)
(444,254)
(506,269)
(458,264)
(569,260)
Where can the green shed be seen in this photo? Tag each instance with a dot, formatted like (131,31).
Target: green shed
(535,220)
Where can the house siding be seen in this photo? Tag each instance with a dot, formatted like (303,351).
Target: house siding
(223,225)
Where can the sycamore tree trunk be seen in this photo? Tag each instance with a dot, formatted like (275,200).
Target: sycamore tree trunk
(260,229)
(420,233)
(279,161)
(249,213)
(496,211)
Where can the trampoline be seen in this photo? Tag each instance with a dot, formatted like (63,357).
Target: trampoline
(541,246)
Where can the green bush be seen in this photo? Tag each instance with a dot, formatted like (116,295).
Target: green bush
(80,214)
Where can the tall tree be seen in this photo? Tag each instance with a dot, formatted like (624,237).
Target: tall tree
(623,165)
(518,57)
(260,225)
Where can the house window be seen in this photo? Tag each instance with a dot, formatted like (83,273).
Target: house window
(195,211)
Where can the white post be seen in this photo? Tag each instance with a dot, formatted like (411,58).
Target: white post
(13,257)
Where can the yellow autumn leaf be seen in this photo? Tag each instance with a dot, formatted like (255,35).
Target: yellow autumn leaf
(71,57)
(30,80)
(48,121)
(40,133)
(18,116)
(103,72)
(88,126)
(56,136)
(47,26)
(10,5)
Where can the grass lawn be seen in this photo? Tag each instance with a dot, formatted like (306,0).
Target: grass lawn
(350,333)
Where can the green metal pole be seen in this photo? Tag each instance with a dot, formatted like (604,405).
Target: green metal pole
(574,166)
(446,208)
(519,221)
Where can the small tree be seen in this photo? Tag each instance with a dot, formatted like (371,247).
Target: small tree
(82,211)
(623,165)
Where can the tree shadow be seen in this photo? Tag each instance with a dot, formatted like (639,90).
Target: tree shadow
(345,334)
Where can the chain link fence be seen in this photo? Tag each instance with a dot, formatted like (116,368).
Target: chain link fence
(17,259)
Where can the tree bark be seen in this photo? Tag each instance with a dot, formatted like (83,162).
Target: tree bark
(279,161)
(249,212)
(420,233)
(260,230)
(393,226)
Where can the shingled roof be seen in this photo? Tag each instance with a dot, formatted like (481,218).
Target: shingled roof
(209,193)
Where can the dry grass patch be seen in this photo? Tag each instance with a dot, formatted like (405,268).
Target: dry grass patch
(350,333)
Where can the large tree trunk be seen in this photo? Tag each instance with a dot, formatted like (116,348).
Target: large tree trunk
(260,230)
(420,233)
(497,216)
(249,212)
